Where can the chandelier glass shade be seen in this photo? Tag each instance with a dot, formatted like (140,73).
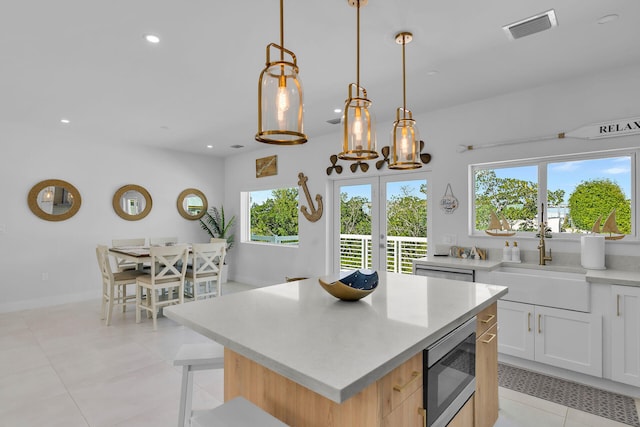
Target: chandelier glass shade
(405,137)
(280,98)
(359,138)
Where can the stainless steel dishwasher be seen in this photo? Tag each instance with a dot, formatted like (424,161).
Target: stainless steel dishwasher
(452,273)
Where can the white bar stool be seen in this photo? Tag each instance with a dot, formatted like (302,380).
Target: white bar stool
(237,412)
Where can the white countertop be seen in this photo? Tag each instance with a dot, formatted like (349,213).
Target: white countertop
(608,276)
(333,347)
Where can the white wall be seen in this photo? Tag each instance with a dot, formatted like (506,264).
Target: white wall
(538,112)
(65,250)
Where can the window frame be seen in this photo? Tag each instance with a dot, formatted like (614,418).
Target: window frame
(245,218)
(542,165)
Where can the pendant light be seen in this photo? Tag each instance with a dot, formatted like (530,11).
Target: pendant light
(405,136)
(359,135)
(280,96)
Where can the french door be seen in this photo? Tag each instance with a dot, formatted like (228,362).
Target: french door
(380,222)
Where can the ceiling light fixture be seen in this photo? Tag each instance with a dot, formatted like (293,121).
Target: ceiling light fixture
(359,141)
(280,97)
(405,137)
(65,121)
(152,38)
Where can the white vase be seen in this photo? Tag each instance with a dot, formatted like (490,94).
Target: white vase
(224,273)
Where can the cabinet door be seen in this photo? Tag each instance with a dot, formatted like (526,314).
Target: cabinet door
(409,413)
(569,339)
(465,416)
(516,322)
(486,397)
(625,335)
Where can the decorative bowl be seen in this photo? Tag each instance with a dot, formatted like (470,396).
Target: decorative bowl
(352,287)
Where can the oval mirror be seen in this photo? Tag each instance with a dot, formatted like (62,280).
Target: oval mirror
(192,204)
(54,200)
(132,202)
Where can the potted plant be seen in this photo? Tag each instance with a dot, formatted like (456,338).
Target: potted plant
(217,226)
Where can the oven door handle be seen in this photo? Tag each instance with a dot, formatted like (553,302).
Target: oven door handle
(414,376)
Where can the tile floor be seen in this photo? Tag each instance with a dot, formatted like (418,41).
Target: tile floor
(60,366)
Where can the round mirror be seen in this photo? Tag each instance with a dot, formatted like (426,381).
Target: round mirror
(132,202)
(54,200)
(192,204)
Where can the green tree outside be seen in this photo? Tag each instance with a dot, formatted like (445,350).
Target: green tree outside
(276,216)
(595,198)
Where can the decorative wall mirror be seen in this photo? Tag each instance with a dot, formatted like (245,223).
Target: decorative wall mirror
(132,202)
(54,200)
(192,204)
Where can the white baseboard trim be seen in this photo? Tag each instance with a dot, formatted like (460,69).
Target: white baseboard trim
(49,301)
(577,377)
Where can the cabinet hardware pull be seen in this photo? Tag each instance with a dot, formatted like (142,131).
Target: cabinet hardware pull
(414,376)
(493,336)
(539,323)
(618,305)
(528,322)
(489,319)
(423,412)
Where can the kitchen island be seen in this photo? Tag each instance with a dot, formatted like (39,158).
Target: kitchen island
(310,359)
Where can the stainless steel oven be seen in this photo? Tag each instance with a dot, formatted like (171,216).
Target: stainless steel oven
(450,380)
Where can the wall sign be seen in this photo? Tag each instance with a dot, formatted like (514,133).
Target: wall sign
(449,203)
(266,166)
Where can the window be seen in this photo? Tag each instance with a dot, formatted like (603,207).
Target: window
(273,216)
(580,194)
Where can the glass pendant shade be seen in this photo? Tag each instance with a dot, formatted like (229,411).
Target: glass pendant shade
(405,138)
(280,103)
(359,141)
(405,141)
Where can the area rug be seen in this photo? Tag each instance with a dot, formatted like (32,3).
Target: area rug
(578,396)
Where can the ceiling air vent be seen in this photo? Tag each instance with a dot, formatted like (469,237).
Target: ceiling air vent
(531,25)
(334,121)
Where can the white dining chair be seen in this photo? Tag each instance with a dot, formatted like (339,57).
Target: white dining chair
(122,263)
(237,412)
(114,285)
(208,259)
(168,268)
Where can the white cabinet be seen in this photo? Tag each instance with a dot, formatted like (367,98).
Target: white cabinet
(562,338)
(625,335)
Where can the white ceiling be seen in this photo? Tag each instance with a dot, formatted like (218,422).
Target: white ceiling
(86,60)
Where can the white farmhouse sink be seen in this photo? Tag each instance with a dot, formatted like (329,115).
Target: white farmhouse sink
(549,288)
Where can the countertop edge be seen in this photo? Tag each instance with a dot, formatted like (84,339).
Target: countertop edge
(337,395)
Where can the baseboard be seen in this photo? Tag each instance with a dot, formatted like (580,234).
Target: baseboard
(601,383)
(49,301)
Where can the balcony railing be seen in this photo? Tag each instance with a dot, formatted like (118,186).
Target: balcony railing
(355,252)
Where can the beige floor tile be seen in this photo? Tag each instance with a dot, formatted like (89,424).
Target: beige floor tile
(28,387)
(21,358)
(57,411)
(523,415)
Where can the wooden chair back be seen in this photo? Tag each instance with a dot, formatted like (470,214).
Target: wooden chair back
(168,263)
(208,259)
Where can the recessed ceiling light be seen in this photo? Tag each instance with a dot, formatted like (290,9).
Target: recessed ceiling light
(607,18)
(209,146)
(432,72)
(65,121)
(337,110)
(152,38)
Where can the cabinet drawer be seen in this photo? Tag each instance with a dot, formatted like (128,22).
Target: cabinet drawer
(401,383)
(486,319)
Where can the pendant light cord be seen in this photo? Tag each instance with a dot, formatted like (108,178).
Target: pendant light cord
(404,81)
(358,46)
(281,30)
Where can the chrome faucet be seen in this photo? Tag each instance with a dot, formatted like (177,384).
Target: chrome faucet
(541,247)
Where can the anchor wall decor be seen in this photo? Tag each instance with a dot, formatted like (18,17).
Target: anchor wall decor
(316,213)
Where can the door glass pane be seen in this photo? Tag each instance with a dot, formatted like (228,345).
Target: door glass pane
(406,214)
(355,226)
